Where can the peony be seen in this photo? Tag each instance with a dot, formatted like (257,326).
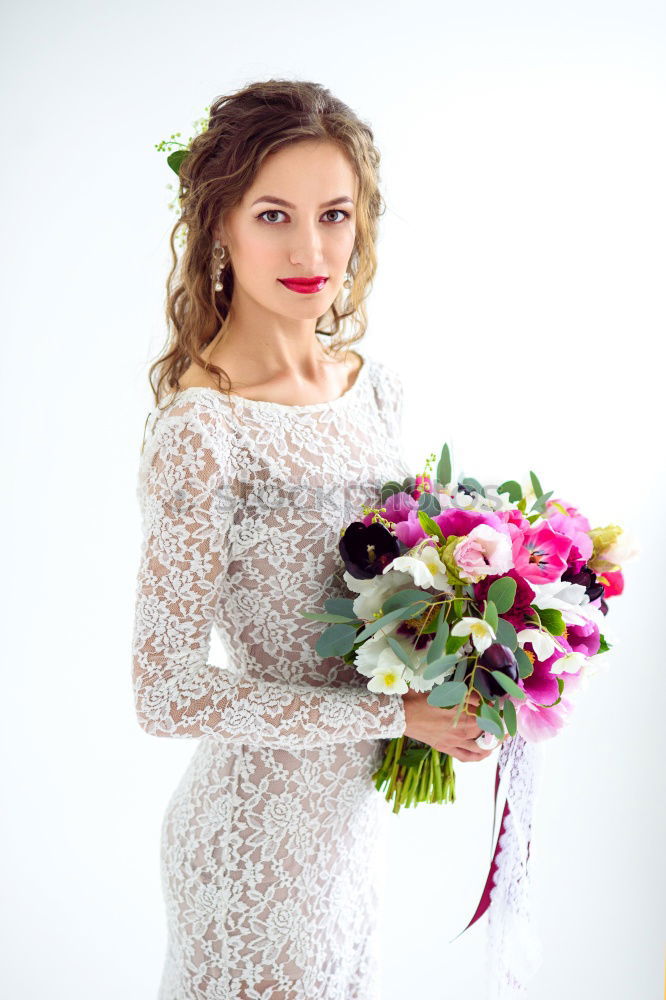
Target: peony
(483,552)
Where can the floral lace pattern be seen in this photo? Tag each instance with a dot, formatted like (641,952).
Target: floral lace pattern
(268,839)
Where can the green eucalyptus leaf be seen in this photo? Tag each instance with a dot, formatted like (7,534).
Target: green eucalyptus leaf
(438,645)
(336,640)
(399,651)
(510,722)
(448,694)
(536,485)
(400,614)
(525,665)
(481,684)
(513,488)
(341,606)
(490,614)
(429,503)
(444,467)
(509,686)
(502,593)
(506,634)
(490,726)
(488,712)
(389,489)
(324,616)
(438,667)
(405,598)
(473,484)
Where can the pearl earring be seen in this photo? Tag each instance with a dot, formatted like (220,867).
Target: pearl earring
(219,252)
(348,280)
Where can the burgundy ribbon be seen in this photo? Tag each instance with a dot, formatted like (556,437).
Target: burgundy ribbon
(484,902)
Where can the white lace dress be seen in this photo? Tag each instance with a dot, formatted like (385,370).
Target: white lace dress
(268,853)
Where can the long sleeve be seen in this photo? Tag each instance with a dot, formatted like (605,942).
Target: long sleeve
(187,501)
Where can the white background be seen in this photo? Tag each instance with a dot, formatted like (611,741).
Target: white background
(520,293)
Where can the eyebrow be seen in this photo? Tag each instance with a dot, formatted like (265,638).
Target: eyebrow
(287,204)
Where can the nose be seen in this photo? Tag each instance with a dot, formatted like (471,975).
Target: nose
(306,248)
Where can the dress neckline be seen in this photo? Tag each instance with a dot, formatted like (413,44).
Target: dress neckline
(271,404)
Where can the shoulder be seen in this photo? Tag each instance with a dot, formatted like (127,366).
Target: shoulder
(386,379)
(187,446)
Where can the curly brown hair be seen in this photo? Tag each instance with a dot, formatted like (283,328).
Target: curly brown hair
(243,129)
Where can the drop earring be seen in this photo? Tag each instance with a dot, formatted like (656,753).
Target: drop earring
(348,280)
(219,253)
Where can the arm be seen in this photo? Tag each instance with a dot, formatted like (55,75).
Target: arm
(187,516)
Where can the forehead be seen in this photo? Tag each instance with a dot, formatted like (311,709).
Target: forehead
(303,171)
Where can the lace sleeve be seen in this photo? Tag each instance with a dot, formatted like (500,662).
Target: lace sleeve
(187,506)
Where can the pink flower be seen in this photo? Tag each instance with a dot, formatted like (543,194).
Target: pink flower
(582,638)
(574,526)
(615,584)
(483,551)
(543,555)
(579,520)
(537,722)
(453,521)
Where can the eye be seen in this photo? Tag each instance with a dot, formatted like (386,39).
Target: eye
(277,211)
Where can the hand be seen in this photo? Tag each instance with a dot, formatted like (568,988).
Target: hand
(435,726)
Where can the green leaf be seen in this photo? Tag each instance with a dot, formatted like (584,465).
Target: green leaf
(389,489)
(438,645)
(506,634)
(454,642)
(444,467)
(525,665)
(176,158)
(408,484)
(481,684)
(341,606)
(398,615)
(438,667)
(413,756)
(403,598)
(336,640)
(461,669)
(448,694)
(490,726)
(459,607)
(509,712)
(509,686)
(473,484)
(552,620)
(536,485)
(540,502)
(429,526)
(502,593)
(488,712)
(513,488)
(429,503)
(399,651)
(490,614)
(603,645)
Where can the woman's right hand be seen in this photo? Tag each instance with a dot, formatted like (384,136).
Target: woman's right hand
(435,726)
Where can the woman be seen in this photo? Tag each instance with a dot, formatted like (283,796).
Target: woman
(268,840)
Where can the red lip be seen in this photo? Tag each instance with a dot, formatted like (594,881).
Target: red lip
(304,284)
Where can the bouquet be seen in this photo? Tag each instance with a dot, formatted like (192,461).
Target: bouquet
(459,588)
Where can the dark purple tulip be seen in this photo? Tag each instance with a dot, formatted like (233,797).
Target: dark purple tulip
(586,578)
(367,549)
(498,657)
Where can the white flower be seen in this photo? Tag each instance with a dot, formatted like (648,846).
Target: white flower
(571,662)
(569,598)
(626,547)
(366,659)
(543,642)
(482,633)
(391,675)
(372,593)
(412,566)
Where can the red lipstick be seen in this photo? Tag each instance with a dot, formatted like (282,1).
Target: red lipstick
(304,285)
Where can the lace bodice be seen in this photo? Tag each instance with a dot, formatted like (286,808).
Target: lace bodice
(243,502)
